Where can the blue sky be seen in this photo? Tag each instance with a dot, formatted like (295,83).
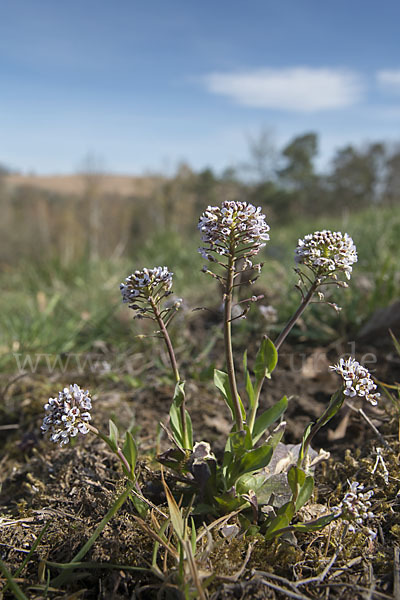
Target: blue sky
(144,85)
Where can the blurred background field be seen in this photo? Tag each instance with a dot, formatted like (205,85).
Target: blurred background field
(174,107)
(67,242)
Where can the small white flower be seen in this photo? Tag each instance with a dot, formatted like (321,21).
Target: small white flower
(355,508)
(146,282)
(357,380)
(327,251)
(235,227)
(64,416)
(144,285)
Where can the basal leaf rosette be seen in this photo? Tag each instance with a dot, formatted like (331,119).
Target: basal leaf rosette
(327,252)
(236,229)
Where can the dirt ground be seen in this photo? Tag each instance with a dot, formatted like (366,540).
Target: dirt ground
(71,489)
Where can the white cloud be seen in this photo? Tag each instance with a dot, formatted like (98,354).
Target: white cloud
(301,89)
(389,78)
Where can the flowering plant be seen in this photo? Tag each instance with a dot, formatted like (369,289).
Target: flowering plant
(247,479)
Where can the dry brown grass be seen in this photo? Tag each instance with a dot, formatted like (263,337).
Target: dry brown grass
(123,185)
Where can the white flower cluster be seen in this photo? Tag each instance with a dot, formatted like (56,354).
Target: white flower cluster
(233,226)
(67,415)
(355,507)
(357,380)
(155,282)
(325,252)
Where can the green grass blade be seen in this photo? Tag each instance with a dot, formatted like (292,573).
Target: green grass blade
(14,587)
(85,549)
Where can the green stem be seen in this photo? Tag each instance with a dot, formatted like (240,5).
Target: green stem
(228,342)
(174,366)
(167,339)
(334,405)
(279,341)
(117,451)
(292,321)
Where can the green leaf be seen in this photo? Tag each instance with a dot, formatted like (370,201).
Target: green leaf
(177,520)
(296,477)
(305,492)
(266,359)
(175,414)
(189,429)
(175,423)
(221,382)
(268,417)
(249,385)
(179,394)
(240,441)
(276,435)
(282,520)
(302,486)
(130,451)
(229,502)
(113,435)
(254,460)
(315,525)
(249,481)
(335,404)
(303,442)
(228,456)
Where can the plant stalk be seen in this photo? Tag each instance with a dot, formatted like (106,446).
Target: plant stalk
(228,341)
(174,366)
(292,321)
(118,451)
(334,405)
(279,341)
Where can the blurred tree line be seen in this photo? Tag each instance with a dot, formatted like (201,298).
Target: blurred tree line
(40,224)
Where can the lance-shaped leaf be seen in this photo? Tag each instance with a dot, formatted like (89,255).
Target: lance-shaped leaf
(249,386)
(296,477)
(304,440)
(177,520)
(221,382)
(281,521)
(175,415)
(276,435)
(319,523)
(305,492)
(250,481)
(113,435)
(189,430)
(130,451)
(302,486)
(268,417)
(256,459)
(266,359)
